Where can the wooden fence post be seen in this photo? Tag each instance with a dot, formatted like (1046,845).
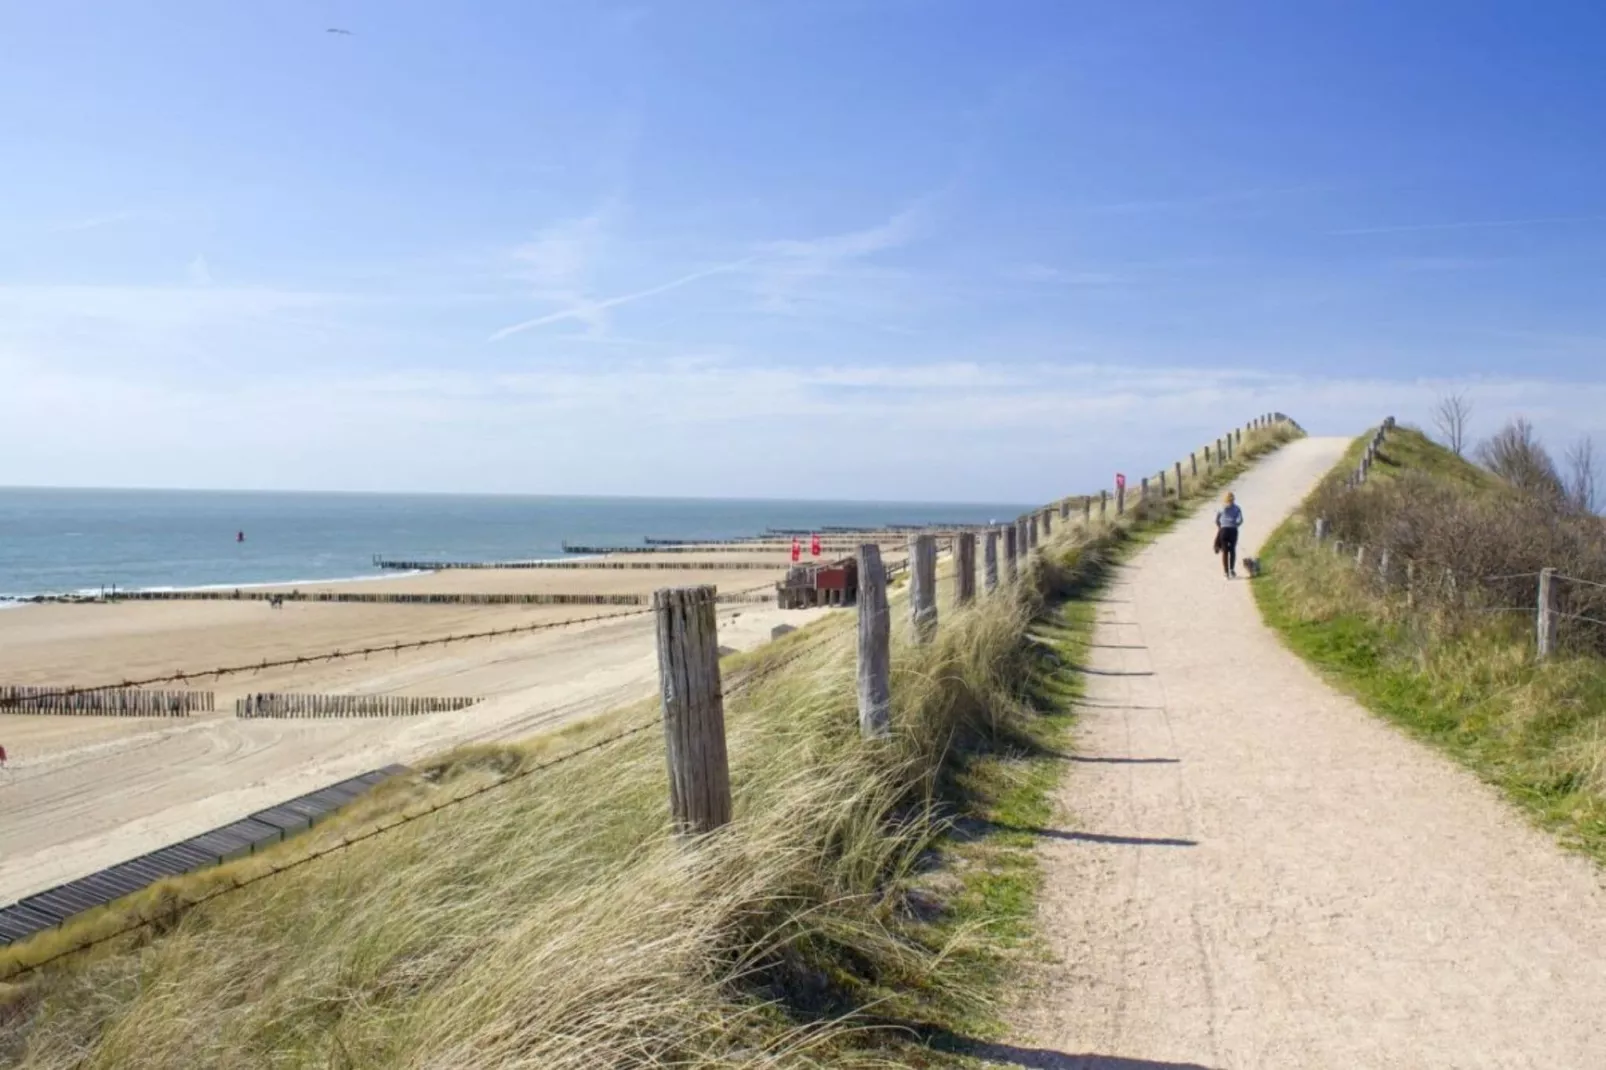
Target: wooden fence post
(1031,531)
(1321,529)
(923,586)
(875,646)
(990,560)
(1547,612)
(1143,492)
(1193,462)
(1410,583)
(1360,557)
(965,568)
(1120,499)
(694,712)
(1179,481)
(1065,509)
(1383,567)
(1087,510)
(1229,447)
(1011,569)
(1022,542)
(1048,523)
(1104,503)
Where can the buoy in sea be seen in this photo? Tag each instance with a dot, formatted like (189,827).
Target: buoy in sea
(239,536)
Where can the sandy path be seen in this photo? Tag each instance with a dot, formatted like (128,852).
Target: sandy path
(1252,871)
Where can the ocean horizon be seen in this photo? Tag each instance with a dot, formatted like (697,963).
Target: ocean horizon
(78,540)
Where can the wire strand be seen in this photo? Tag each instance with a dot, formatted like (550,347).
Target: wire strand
(406,818)
(1578,579)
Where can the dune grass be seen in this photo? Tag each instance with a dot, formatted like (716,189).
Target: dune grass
(1464,679)
(860,911)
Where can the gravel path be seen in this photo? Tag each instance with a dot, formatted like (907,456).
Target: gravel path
(1252,871)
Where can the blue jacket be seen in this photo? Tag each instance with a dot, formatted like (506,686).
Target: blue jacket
(1230,517)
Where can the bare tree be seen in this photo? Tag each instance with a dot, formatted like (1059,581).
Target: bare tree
(1516,455)
(1581,489)
(1451,417)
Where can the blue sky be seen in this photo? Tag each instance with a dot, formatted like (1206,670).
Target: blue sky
(866,248)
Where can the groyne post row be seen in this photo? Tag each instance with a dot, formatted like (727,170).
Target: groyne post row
(398,598)
(642,566)
(282,704)
(111,701)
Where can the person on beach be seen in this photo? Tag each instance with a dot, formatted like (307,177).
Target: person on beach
(1228,521)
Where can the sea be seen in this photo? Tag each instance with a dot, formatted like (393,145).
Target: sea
(62,541)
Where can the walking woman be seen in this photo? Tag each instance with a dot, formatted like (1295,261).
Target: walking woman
(1228,521)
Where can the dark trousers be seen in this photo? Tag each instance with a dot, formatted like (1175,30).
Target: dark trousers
(1229,548)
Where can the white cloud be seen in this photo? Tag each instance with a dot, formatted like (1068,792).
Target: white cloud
(699,425)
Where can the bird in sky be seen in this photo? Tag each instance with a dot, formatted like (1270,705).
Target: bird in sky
(336,29)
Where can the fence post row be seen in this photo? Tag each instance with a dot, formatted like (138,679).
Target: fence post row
(923,586)
(1547,612)
(875,651)
(965,568)
(694,711)
(990,560)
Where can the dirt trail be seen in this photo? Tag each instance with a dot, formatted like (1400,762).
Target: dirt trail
(1253,871)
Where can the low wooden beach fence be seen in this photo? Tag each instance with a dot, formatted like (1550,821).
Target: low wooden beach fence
(104,702)
(283,704)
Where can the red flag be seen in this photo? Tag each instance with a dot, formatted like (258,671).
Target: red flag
(1120,481)
(814,544)
(797,550)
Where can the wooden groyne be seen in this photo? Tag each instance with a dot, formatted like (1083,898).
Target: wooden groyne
(283,704)
(398,598)
(385,598)
(637,566)
(104,702)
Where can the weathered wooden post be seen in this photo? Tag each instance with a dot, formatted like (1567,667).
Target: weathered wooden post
(1023,543)
(1229,447)
(1065,509)
(1011,569)
(1087,510)
(1239,436)
(965,568)
(1048,523)
(1104,503)
(1360,557)
(990,560)
(1383,568)
(694,712)
(1179,481)
(1410,583)
(1321,529)
(875,646)
(1219,454)
(1547,612)
(1031,532)
(923,586)
(1193,462)
(1120,499)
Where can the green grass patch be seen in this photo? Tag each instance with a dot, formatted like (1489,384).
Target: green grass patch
(1465,681)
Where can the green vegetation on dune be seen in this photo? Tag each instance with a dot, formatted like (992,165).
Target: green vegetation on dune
(1462,675)
(861,911)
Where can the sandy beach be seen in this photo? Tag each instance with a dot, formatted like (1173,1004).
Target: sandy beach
(83,792)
